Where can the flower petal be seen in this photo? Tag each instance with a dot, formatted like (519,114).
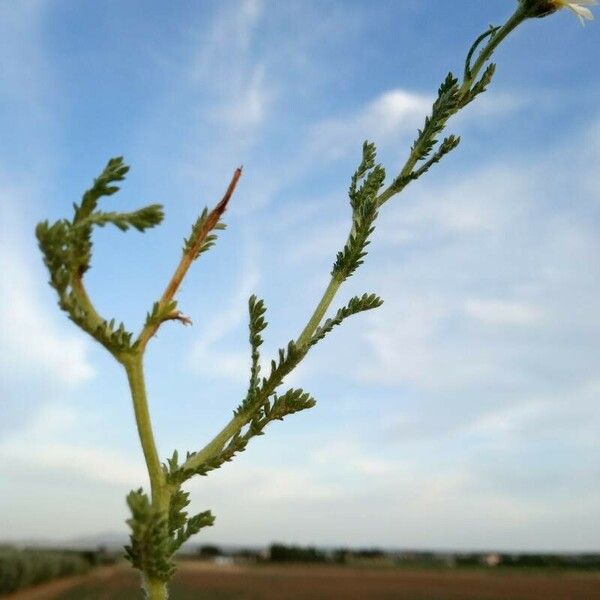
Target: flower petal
(581,11)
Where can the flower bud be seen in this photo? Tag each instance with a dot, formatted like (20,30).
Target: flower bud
(543,8)
(539,8)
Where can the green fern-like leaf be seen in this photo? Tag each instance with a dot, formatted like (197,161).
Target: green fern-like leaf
(448,144)
(115,170)
(489,33)
(142,219)
(150,543)
(192,527)
(81,233)
(443,108)
(355,305)
(191,244)
(480,86)
(364,203)
(293,401)
(258,323)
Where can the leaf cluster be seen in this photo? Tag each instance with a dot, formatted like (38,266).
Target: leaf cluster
(427,149)
(262,405)
(160,312)
(194,244)
(365,185)
(257,310)
(355,305)
(150,543)
(156,536)
(67,249)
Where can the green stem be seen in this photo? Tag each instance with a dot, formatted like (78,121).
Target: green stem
(135,376)
(216,445)
(517,18)
(156,589)
(79,291)
(319,313)
(213,448)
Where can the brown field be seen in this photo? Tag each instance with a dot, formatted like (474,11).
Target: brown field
(196,581)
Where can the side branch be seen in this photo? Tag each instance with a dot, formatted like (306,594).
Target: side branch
(188,257)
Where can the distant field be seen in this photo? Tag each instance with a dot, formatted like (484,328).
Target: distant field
(196,581)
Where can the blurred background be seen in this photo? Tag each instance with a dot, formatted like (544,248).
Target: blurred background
(461,417)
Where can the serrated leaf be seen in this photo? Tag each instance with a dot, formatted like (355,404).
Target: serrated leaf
(141,219)
(257,324)
(356,305)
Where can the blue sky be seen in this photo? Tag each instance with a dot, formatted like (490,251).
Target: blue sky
(462,414)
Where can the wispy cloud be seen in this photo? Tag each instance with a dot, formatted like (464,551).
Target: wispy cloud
(393,113)
(208,356)
(28,96)
(226,68)
(502,312)
(478,237)
(31,342)
(40,448)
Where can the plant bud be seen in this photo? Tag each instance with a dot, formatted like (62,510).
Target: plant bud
(536,9)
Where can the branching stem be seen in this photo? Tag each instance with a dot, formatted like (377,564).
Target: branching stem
(517,18)
(93,318)
(236,424)
(317,316)
(188,257)
(161,526)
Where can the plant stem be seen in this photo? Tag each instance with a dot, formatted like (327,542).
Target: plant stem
(235,425)
(513,22)
(94,319)
(319,313)
(189,256)
(135,375)
(156,589)
(517,18)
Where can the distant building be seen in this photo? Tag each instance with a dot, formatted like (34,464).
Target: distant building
(491,560)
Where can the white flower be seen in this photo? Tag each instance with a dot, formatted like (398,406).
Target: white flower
(579,7)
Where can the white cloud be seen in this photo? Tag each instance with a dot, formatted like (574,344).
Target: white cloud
(468,261)
(265,485)
(495,105)
(395,112)
(221,99)
(248,105)
(415,321)
(31,342)
(40,448)
(225,66)
(567,417)
(501,312)
(487,201)
(507,421)
(389,117)
(407,498)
